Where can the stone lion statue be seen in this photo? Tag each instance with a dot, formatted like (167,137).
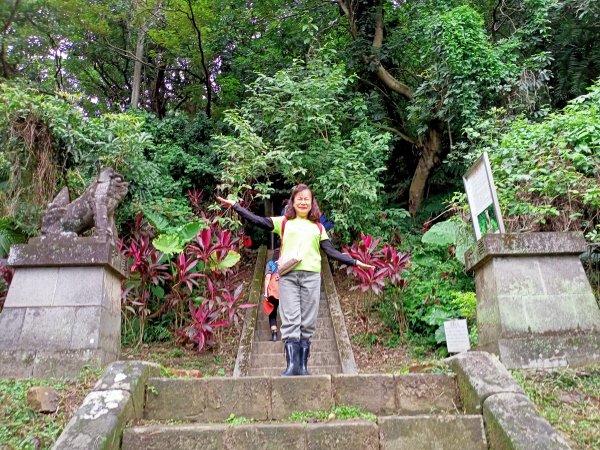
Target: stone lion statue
(94,209)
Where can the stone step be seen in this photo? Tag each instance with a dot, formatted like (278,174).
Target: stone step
(431,432)
(264,334)
(275,372)
(278,360)
(270,347)
(273,398)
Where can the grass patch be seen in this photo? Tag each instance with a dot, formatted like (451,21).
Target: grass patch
(237,420)
(337,412)
(22,428)
(569,399)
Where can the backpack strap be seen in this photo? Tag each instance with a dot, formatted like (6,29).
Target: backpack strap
(283,222)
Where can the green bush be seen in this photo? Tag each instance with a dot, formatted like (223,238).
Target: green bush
(547,173)
(302,125)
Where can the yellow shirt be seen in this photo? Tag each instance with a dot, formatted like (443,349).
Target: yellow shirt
(301,238)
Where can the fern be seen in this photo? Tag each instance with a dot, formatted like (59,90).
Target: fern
(10,234)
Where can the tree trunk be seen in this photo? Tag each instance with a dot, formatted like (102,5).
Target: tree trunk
(366,19)
(431,152)
(137,68)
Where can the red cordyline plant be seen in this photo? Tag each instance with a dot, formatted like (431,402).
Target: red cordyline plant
(147,273)
(389,265)
(197,285)
(202,324)
(6,275)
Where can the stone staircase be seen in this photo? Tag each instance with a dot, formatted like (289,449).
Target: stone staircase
(331,351)
(414,411)
(475,405)
(268,357)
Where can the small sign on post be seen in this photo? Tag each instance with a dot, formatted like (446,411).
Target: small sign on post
(483,201)
(457,336)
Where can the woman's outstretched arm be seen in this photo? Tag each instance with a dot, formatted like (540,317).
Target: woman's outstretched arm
(263,222)
(334,253)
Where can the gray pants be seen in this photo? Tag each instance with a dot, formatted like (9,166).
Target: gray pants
(299,294)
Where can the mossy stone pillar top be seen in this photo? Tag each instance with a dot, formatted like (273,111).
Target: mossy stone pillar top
(535,306)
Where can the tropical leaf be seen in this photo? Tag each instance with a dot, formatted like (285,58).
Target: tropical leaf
(169,244)
(441,234)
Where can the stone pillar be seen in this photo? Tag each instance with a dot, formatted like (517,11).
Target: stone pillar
(63,309)
(535,306)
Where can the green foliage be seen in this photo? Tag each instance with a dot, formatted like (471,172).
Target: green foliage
(237,420)
(302,125)
(454,234)
(23,428)
(172,240)
(77,146)
(546,173)
(10,233)
(435,292)
(466,70)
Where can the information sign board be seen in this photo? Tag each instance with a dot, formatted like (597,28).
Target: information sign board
(483,201)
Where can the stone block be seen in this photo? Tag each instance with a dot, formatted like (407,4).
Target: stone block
(479,375)
(110,334)
(374,393)
(86,327)
(575,349)
(533,287)
(512,422)
(266,437)
(517,276)
(245,397)
(432,432)
(11,323)
(518,244)
(32,287)
(79,251)
(347,435)
(130,376)
(66,363)
(175,399)
(98,423)
(47,329)
(180,437)
(16,363)
(573,279)
(426,393)
(289,394)
(79,286)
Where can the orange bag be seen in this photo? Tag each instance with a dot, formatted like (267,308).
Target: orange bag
(272,291)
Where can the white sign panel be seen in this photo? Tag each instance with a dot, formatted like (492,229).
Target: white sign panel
(483,201)
(457,336)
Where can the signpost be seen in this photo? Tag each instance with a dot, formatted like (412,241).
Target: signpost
(457,336)
(483,201)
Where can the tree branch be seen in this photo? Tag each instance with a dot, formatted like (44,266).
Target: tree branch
(397,133)
(207,85)
(10,17)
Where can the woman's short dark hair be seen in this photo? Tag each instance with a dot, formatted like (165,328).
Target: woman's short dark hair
(290,213)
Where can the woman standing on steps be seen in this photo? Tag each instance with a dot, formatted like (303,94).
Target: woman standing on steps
(299,289)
